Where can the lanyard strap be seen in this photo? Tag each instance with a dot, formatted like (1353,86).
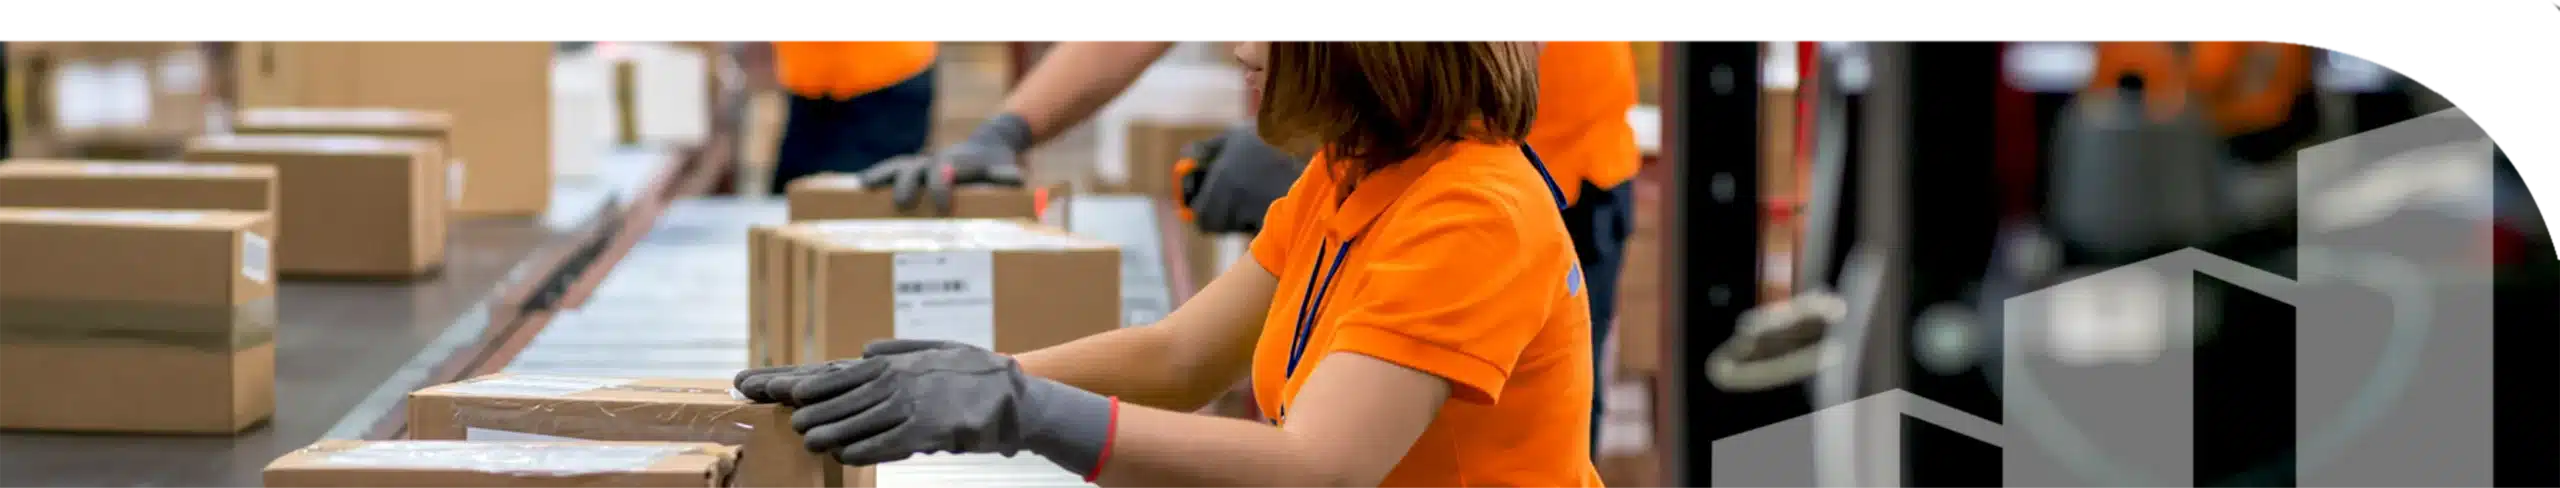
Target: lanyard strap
(1312,306)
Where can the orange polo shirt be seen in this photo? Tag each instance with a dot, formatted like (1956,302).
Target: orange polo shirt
(842,70)
(1584,91)
(1459,266)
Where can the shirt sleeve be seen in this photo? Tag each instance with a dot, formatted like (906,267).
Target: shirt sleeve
(1459,294)
(1286,217)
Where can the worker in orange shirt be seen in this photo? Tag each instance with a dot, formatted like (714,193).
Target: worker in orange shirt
(1413,313)
(1584,92)
(853,105)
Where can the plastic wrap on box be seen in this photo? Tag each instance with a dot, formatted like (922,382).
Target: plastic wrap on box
(517,407)
(450,463)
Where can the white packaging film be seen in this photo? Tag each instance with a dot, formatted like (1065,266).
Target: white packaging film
(256,257)
(120,216)
(552,459)
(535,386)
(76,103)
(158,169)
(945,296)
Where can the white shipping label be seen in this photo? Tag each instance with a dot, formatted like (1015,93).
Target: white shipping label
(128,91)
(476,434)
(453,179)
(182,73)
(945,296)
(535,386)
(76,104)
(256,254)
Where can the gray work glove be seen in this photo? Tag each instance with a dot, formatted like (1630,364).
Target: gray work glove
(1233,179)
(906,397)
(989,156)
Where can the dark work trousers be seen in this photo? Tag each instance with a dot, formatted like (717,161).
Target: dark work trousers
(1599,225)
(826,135)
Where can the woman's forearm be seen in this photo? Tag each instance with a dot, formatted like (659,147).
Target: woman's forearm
(1153,447)
(1075,79)
(1112,363)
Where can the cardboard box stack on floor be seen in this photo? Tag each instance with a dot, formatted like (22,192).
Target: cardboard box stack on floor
(498,93)
(152,321)
(507,407)
(361,207)
(345,463)
(122,100)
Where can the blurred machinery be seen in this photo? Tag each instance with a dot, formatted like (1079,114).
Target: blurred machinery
(1934,195)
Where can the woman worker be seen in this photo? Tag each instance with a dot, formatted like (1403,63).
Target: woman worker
(853,105)
(1413,314)
(1584,92)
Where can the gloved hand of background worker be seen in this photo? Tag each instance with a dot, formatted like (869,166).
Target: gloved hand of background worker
(989,156)
(1233,178)
(906,397)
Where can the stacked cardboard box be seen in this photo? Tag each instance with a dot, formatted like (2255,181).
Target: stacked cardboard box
(136,185)
(832,286)
(136,320)
(424,126)
(106,99)
(360,206)
(421,464)
(833,196)
(499,91)
(515,408)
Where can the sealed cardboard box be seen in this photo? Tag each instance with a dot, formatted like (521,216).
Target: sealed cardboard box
(106,99)
(154,321)
(136,185)
(1154,146)
(360,206)
(435,464)
(1009,286)
(499,94)
(834,196)
(506,407)
(422,125)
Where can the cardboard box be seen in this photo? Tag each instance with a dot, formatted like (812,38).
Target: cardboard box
(106,99)
(1629,455)
(498,92)
(360,206)
(506,407)
(835,196)
(435,464)
(427,126)
(1640,292)
(137,185)
(1004,285)
(1153,148)
(156,321)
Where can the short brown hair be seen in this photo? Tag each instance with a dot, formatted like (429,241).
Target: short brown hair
(1368,105)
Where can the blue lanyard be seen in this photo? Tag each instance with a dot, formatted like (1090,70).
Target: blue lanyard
(1312,305)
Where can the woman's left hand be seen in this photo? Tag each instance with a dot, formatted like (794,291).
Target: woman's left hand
(909,396)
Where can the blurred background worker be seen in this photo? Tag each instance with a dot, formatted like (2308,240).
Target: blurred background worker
(853,104)
(1584,92)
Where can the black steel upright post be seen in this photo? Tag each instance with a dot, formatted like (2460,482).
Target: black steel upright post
(1712,100)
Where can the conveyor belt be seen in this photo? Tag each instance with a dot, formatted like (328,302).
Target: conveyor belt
(339,344)
(675,306)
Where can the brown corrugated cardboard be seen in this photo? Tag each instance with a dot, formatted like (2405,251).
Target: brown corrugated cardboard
(441,464)
(499,92)
(1004,285)
(85,98)
(136,185)
(543,407)
(360,206)
(1640,292)
(834,196)
(1153,148)
(427,126)
(136,320)
(767,334)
